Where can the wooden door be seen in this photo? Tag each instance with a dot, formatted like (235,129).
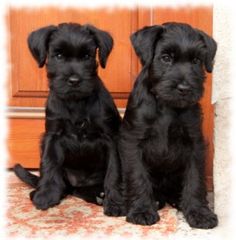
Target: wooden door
(28,84)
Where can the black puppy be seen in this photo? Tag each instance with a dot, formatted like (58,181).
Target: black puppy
(82,121)
(161,143)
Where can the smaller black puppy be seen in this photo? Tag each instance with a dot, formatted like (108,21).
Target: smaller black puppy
(82,121)
(161,144)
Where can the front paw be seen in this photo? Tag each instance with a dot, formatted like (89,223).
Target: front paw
(44,199)
(113,208)
(147,217)
(201,218)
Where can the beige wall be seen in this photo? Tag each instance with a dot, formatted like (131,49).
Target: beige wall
(222,98)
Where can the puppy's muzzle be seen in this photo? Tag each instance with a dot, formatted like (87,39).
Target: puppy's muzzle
(73,80)
(183,89)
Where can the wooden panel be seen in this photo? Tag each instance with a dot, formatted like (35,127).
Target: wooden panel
(29,83)
(202,18)
(23,141)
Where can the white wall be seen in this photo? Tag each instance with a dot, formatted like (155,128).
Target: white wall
(222,97)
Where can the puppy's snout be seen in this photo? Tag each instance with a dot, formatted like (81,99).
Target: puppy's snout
(183,89)
(73,80)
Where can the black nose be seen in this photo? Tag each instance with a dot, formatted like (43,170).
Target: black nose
(183,89)
(73,80)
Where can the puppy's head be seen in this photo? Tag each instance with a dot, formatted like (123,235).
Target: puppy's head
(69,52)
(176,57)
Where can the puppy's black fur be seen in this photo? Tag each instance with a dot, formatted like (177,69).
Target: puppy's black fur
(82,122)
(161,143)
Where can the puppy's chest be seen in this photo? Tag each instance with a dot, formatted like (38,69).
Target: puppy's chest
(166,137)
(84,126)
(80,123)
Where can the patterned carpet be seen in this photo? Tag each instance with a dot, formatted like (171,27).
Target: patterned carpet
(75,217)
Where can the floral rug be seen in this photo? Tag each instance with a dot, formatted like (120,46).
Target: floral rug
(81,220)
(74,217)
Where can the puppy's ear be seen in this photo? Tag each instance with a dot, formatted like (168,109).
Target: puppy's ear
(144,42)
(211,47)
(104,42)
(38,43)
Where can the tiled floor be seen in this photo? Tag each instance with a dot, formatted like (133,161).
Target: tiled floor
(76,218)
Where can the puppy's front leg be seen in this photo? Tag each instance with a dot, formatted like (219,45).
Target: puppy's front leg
(113,202)
(194,203)
(142,208)
(51,185)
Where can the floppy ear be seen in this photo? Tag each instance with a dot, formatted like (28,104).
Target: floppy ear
(211,47)
(144,42)
(104,42)
(38,43)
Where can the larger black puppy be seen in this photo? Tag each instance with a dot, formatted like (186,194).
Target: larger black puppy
(82,121)
(161,143)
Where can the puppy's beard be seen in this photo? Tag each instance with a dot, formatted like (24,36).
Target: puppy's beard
(62,90)
(173,99)
(75,94)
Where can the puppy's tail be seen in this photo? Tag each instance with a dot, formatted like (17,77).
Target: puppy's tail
(26,176)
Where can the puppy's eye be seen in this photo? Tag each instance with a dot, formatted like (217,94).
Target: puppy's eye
(196,61)
(59,56)
(166,58)
(86,56)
